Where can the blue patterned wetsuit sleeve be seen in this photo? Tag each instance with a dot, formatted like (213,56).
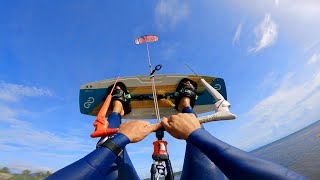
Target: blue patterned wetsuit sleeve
(235,163)
(96,165)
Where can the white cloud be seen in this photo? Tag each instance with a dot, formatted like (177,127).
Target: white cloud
(305,10)
(276,2)
(34,137)
(267,84)
(268,80)
(21,137)
(7,147)
(237,34)
(289,108)
(300,9)
(266,34)
(7,114)
(314,59)
(168,13)
(312,46)
(298,19)
(12,92)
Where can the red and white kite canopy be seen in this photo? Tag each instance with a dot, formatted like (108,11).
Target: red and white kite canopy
(146,39)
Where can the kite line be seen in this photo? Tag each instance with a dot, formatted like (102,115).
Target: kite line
(146,39)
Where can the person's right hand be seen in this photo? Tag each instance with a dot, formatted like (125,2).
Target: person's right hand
(181,125)
(137,130)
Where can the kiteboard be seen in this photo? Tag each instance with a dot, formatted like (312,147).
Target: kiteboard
(92,95)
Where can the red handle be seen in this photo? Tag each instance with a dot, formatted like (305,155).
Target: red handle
(101,129)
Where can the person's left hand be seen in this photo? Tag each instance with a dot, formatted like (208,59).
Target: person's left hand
(137,130)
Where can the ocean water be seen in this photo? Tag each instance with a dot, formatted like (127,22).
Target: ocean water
(299,152)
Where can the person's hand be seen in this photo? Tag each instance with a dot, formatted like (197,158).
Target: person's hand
(181,125)
(137,130)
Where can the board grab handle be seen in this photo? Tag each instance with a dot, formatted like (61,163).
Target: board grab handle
(222,115)
(221,106)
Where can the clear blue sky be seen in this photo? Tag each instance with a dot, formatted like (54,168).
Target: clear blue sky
(268,52)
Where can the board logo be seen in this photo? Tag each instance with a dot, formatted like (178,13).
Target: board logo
(217,87)
(88,103)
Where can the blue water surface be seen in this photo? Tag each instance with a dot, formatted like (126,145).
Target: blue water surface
(299,151)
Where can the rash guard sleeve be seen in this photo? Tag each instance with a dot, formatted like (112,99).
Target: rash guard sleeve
(235,163)
(95,165)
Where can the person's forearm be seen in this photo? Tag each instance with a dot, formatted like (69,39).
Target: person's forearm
(235,163)
(93,166)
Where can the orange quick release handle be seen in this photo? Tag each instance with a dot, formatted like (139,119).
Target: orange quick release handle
(160,150)
(101,129)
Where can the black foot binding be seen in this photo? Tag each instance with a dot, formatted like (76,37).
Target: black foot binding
(122,95)
(186,88)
